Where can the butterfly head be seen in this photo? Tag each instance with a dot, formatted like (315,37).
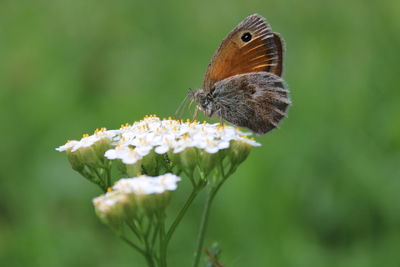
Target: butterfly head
(204,100)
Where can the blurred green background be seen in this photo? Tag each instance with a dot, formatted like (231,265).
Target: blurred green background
(321,191)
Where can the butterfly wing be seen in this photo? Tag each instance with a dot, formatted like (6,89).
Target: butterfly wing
(250,47)
(256,100)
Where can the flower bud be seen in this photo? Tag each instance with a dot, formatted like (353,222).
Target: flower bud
(101,146)
(150,193)
(175,161)
(114,208)
(132,169)
(188,160)
(208,161)
(152,203)
(75,160)
(238,152)
(89,156)
(153,163)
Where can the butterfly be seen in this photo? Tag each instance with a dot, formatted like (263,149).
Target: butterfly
(243,83)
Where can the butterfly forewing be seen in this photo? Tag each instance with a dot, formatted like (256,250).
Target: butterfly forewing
(260,51)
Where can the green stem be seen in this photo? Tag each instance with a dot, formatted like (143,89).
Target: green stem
(130,243)
(163,243)
(149,253)
(202,229)
(108,170)
(134,230)
(150,261)
(148,248)
(92,175)
(146,254)
(137,228)
(181,213)
(206,211)
(154,237)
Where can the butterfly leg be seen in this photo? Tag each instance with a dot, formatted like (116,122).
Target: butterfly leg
(195,113)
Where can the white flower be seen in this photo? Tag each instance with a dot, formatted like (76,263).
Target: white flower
(146,185)
(182,143)
(210,145)
(168,181)
(167,141)
(127,154)
(249,141)
(68,146)
(89,140)
(106,202)
(144,143)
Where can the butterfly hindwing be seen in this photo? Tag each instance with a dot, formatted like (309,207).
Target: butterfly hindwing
(257,100)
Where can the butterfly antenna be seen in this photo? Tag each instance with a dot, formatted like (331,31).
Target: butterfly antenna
(179,112)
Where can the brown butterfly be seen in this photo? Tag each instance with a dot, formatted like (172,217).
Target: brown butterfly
(243,83)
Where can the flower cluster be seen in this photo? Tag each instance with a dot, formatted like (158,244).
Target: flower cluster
(154,146)
(138,140)
(131,198)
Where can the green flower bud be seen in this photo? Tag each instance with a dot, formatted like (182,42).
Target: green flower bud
(89,156)
(188,160)
(132,169)
(208,161)
(238,152)
(175,160)
(102,144)
(153,163)
(152,203)
(75,160)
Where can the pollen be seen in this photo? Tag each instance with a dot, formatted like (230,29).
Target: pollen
(85,135)
(109,189)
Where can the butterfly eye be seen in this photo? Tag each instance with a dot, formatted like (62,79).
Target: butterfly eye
(246,37)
